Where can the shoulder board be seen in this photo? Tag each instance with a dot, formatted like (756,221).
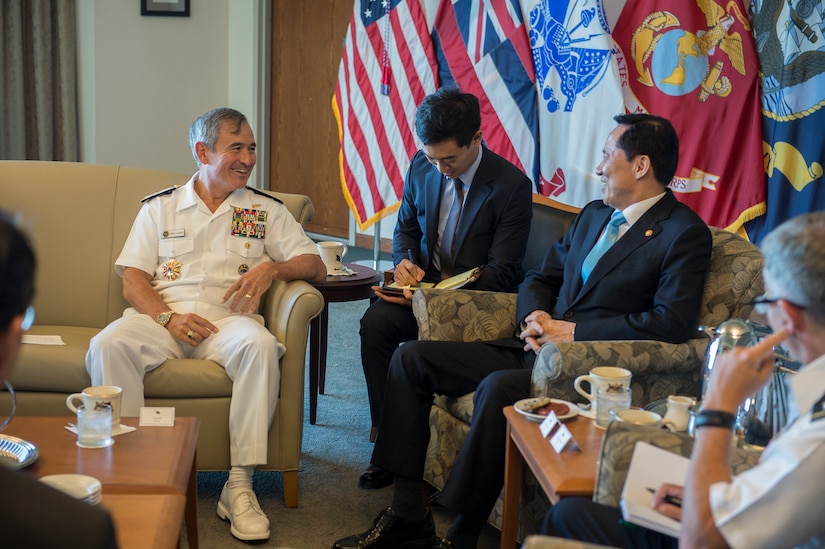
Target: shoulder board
(818,410)
(159,193)
(260,192)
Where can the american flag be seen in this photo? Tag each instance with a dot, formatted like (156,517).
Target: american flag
(387,68)
(482,47)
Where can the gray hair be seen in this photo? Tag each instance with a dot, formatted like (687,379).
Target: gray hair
(795,260)
(207,128)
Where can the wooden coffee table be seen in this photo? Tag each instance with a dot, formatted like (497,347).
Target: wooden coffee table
(146,520)
(149,461)
(569,473)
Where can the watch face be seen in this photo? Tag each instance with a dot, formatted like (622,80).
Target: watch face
(163,318)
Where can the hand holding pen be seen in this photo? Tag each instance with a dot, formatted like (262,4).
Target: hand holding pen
(408,273)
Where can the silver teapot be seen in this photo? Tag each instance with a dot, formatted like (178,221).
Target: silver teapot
(763,414)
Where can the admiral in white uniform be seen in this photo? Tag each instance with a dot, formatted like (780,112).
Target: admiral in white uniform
(194,267)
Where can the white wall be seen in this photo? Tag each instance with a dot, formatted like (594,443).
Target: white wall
(144,79)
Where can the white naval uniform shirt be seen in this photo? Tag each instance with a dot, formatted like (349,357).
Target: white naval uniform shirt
(176,231)
(779,502)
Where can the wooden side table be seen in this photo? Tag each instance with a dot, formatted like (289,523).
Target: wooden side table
(335,289)
(569,473)
(147,461)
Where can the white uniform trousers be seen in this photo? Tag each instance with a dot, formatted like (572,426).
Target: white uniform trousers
(135,344)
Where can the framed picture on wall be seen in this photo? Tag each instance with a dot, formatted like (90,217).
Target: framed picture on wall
(179,8)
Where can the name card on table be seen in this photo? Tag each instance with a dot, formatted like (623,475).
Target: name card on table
(548,424)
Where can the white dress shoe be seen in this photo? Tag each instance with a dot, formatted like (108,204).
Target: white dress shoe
(241,509)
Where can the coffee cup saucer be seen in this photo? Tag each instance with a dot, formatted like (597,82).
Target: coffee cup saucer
(82,487)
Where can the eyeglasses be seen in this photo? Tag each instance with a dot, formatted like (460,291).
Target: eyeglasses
(28,319)
(760,304)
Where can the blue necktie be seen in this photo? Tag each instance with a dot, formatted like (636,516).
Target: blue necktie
(610,235)
(447,239)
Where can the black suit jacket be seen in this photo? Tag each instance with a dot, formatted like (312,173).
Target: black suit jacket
(646,286)
(34,515)
(492,230)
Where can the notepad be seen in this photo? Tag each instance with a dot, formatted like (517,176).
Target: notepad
(454,282)
(651,466)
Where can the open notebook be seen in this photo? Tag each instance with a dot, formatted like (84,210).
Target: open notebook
(457,281)
(651,466)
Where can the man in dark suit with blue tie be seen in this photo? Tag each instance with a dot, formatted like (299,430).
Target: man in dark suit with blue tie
(463,207)
(648,285)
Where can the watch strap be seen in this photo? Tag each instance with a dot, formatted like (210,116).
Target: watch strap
(714,418)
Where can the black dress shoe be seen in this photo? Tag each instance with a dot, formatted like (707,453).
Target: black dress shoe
(374,478)
(389,531)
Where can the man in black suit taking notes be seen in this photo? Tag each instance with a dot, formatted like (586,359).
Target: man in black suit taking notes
(648,285)
(463,207)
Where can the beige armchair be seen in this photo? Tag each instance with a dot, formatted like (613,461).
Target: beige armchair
(659,369)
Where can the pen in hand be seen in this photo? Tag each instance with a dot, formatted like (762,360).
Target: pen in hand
(412,260)
(673,500)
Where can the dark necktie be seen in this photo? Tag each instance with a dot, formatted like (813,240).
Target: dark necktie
(448,238)
(610,235)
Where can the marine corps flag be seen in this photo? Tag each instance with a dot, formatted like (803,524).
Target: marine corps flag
(694,62)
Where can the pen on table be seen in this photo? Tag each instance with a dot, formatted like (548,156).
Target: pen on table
(673,500)
(412,260)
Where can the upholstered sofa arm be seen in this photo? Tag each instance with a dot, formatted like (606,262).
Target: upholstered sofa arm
(659,369)
(288,308)
(464,315)
(617,448)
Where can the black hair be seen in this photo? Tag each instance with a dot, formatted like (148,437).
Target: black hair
(448,114)
(17,265)
(653,136)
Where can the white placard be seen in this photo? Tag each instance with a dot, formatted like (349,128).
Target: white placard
(546,427)
(157,417)
(561,439)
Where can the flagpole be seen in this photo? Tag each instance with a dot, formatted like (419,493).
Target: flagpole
(376,246)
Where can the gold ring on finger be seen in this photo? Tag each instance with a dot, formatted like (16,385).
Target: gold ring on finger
(191,334)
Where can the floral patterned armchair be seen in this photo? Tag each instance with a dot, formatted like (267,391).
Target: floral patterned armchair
(659,369)
(614,460)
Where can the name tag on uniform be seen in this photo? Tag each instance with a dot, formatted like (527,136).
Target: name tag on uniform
(249,222)
(173,233)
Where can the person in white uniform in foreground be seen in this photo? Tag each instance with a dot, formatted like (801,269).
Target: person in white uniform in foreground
(194,267)
(778,502)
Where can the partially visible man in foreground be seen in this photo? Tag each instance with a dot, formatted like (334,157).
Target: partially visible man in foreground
(195,265)
(34,515)
(777,503)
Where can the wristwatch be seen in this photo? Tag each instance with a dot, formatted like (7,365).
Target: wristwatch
(164,317)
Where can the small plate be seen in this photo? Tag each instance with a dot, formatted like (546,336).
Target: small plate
(16,453)
(82,487)
(524,406)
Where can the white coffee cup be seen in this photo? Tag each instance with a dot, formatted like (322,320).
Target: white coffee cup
(601,376)
(332,254)
(97,395)
(678,412)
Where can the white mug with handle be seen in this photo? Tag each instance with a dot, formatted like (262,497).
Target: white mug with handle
(601,377)
(96,396)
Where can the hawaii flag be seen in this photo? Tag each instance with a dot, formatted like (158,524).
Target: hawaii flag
(387,68)
(694,62)
(482,48)
(579,92)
